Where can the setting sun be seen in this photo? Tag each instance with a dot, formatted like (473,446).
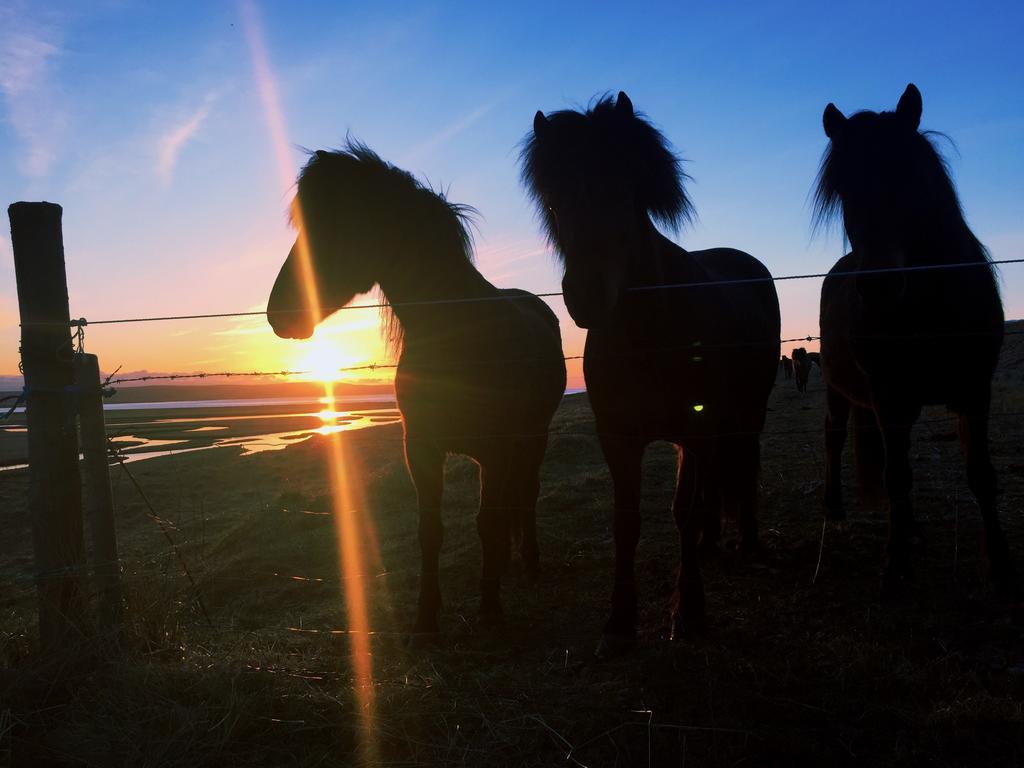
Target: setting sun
(321,359)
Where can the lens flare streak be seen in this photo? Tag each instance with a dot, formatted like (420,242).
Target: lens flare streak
(354,533)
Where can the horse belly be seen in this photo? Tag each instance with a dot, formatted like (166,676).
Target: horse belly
(671,396)
(460,406)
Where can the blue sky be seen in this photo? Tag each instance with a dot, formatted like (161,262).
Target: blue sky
(145,122)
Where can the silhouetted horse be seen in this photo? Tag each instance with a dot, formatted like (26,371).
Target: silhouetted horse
(814,358)
(787,367)
(801,368)
(901,211)
(480,376)
(693,366)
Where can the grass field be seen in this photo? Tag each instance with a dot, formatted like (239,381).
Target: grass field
(793,670)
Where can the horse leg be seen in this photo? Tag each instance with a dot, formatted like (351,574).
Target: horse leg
(493,524)
(426,468)
(869,452)
(624,459)
(688,599)
(895,428)
(744,469)
(837,414)
(981,479)
(708,503)
(526,481)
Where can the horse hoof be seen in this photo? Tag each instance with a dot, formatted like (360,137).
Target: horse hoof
(1005,582)
(709,551)
(491,618)
(418,640)
(686,627)
(835,512)
(614,644)
(894,583)
(425,624)
(915,536)
(750,548)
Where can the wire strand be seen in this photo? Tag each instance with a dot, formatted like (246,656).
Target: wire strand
(81,321)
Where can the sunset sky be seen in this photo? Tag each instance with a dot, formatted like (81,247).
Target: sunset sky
(150,124)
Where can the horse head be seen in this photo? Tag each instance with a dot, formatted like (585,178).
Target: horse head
(327,265)
(890,185)
(598,177)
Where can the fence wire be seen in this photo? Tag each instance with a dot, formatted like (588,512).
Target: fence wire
(81,321)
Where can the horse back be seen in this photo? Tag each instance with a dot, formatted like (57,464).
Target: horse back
(754,304)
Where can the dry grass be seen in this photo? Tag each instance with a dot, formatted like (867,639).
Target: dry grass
(790,671)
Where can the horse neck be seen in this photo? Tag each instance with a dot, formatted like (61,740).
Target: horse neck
(943,238)
(657,260)
(417,286)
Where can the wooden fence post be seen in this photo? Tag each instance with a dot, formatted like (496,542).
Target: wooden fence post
(55,502)
(99,500)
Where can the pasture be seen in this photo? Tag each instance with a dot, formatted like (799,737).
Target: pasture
(801,662)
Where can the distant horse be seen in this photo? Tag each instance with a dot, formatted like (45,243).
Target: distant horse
(901,212)
(786,365)
(480,376)
(692,365)
(801,368)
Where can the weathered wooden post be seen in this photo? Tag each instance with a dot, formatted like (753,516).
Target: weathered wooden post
(55,502)
(99,500)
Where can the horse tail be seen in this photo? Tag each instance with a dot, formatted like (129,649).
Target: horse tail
(869,451)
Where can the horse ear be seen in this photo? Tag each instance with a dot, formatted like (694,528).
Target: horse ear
(909,106)
(623,105)
(833,120)
(540,124)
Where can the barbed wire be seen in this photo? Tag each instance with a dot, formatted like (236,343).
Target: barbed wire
(695,347)
(81,321)
(229,374)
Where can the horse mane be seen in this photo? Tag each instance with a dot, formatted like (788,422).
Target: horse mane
(931,194)
(369,200)
(623,149)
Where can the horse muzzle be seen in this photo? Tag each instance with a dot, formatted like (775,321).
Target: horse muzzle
(590,305)
(290,325)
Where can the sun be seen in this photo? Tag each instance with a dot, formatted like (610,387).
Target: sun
(321,359)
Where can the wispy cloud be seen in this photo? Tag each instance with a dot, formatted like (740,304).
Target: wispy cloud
(446,134)
(29,51)
(173,140)
(506,258)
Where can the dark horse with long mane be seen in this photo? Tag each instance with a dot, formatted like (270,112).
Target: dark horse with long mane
(481,375)
(902,215)
(690,365)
